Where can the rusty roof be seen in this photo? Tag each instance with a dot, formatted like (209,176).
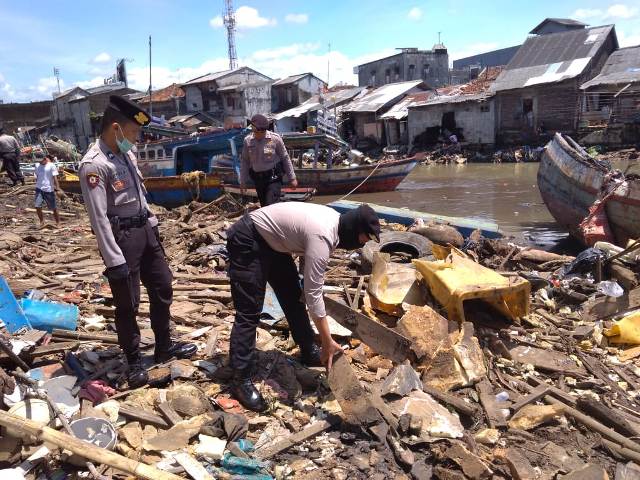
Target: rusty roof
(164,94)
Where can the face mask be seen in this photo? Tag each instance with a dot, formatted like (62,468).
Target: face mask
(124,145)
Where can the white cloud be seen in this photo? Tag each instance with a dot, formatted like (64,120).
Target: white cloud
(246,17)
(48,85)
(628,40)
(620,10)
(415,13)
(93,82)
(473,49)
(296,18)
(103,57)
(585,13)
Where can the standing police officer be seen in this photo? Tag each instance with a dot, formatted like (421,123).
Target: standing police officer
(10,156)
(264,160)
(127,234)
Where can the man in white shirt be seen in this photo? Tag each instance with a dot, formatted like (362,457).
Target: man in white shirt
(46,188)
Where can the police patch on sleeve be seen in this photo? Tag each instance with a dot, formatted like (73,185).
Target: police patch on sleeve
(93,180)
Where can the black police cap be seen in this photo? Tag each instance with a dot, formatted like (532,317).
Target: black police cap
(130,110)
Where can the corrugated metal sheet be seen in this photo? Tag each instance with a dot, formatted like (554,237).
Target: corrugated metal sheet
(622,67)
(552,58)
(314,103)
(291,79)
(296,112)
(401,109)
(563,21)
(383,96)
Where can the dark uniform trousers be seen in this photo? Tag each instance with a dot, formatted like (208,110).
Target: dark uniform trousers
(146,261)
(253,263)
(268,185)
(11,164)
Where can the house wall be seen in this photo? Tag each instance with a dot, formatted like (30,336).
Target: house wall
(475,120)
(257,99)
(193,98)
(430,66)
(290,124)
(14,115)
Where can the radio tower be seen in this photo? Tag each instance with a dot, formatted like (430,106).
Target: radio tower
(230,23)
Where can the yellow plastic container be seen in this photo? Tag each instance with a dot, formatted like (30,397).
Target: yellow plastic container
(456,279)
(626,330)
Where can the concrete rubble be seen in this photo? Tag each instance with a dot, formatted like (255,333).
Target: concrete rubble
(544,397)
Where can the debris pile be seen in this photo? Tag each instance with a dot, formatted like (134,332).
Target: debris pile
(479,359)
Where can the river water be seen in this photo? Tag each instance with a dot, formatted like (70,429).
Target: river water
(506,194)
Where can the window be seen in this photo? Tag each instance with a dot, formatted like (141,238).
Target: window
(160,153)
(396,74)
(231,103)
(425,71)
(372,78)
(412,72)
(143,155)
(152,154)
(485,108)
(289,96)
(168,153)
(387,76)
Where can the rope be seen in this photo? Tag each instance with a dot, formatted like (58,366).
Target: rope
(363,181)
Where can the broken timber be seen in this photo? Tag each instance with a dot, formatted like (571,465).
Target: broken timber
(312,430)
(381,339)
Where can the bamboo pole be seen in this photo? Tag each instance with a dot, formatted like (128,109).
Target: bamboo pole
(84,449)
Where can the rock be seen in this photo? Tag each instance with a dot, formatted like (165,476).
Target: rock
(472,466)
(468,352)
(588,472)
(427,330)
(300,464)
(378,362)
(339,474)
(421,471)
(546,360)
(445,372)
(488,436)
(443,473)
(401,381)
(531,416)
(629,471)
(182,369)
(559,458)
(375,458)
(176,438)
(437,421)
(519,466)
(10,241)
(132,433)
(188,400)
(210,447)
(361,462)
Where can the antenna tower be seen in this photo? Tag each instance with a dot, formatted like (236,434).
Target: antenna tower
(229,19)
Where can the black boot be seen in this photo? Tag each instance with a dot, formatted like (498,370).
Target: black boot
(175,349)
(137,375)
(243,390)
(310,355)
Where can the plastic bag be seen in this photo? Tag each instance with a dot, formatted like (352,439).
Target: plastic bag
(626,330)
(585,262)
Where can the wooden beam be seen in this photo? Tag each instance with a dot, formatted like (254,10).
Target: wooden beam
(143,416)
(308,432)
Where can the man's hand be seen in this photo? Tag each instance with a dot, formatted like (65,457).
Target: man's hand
(294,183)
(329,349)
(117,273)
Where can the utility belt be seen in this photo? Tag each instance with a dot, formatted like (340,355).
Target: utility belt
(268,175)
(124,223)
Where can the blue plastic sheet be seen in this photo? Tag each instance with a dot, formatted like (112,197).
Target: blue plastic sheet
(10,311)
(49,315)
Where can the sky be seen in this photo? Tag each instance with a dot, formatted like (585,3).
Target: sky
(276,37)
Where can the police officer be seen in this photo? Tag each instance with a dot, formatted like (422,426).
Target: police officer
(264,160)
(10,156)
(127,234)
(260,247)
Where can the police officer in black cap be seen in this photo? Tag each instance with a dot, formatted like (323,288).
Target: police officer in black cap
(127,234)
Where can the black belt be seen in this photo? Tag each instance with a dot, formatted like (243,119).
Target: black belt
(129,222)
(272,174)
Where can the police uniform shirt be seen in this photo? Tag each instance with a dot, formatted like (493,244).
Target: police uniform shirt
(8,144)
(111,186)
(263,155)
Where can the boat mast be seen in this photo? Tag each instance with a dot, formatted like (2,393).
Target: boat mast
(150,91)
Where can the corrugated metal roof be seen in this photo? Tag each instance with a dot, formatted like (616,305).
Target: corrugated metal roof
(164,94)
(562,21)
(292,79)
(622,67)
(552,58)
(401,109)
(314,103)
(383,96)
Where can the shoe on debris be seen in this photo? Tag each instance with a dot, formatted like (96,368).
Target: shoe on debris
(243,390)
(175,349)
(310,356)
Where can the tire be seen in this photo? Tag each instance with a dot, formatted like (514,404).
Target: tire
(416,245)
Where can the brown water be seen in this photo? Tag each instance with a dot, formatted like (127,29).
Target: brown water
(506,194)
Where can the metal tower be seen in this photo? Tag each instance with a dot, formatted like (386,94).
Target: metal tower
(230,23)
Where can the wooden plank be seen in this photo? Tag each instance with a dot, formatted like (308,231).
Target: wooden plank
(192,467)
(99,337)
(608,416)
(381,339)
(534,396)
(455,402)
(629,354)
(553,391)
(202,278)
(488,401)
(143,416)
(169,413)
(212,342)
(306,433)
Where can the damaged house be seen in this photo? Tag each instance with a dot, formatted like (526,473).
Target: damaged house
(166,102)
(362,120)
(292,91)
(538,91)
(612,100)
(230,96)
(466,110)
(318,111)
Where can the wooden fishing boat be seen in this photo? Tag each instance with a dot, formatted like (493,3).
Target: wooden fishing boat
(289,194)
(171,191)
(406,217)
(569,180)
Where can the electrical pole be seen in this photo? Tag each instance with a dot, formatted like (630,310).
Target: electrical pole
(56,73)
(150,90)
(229,20)
(328,64)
